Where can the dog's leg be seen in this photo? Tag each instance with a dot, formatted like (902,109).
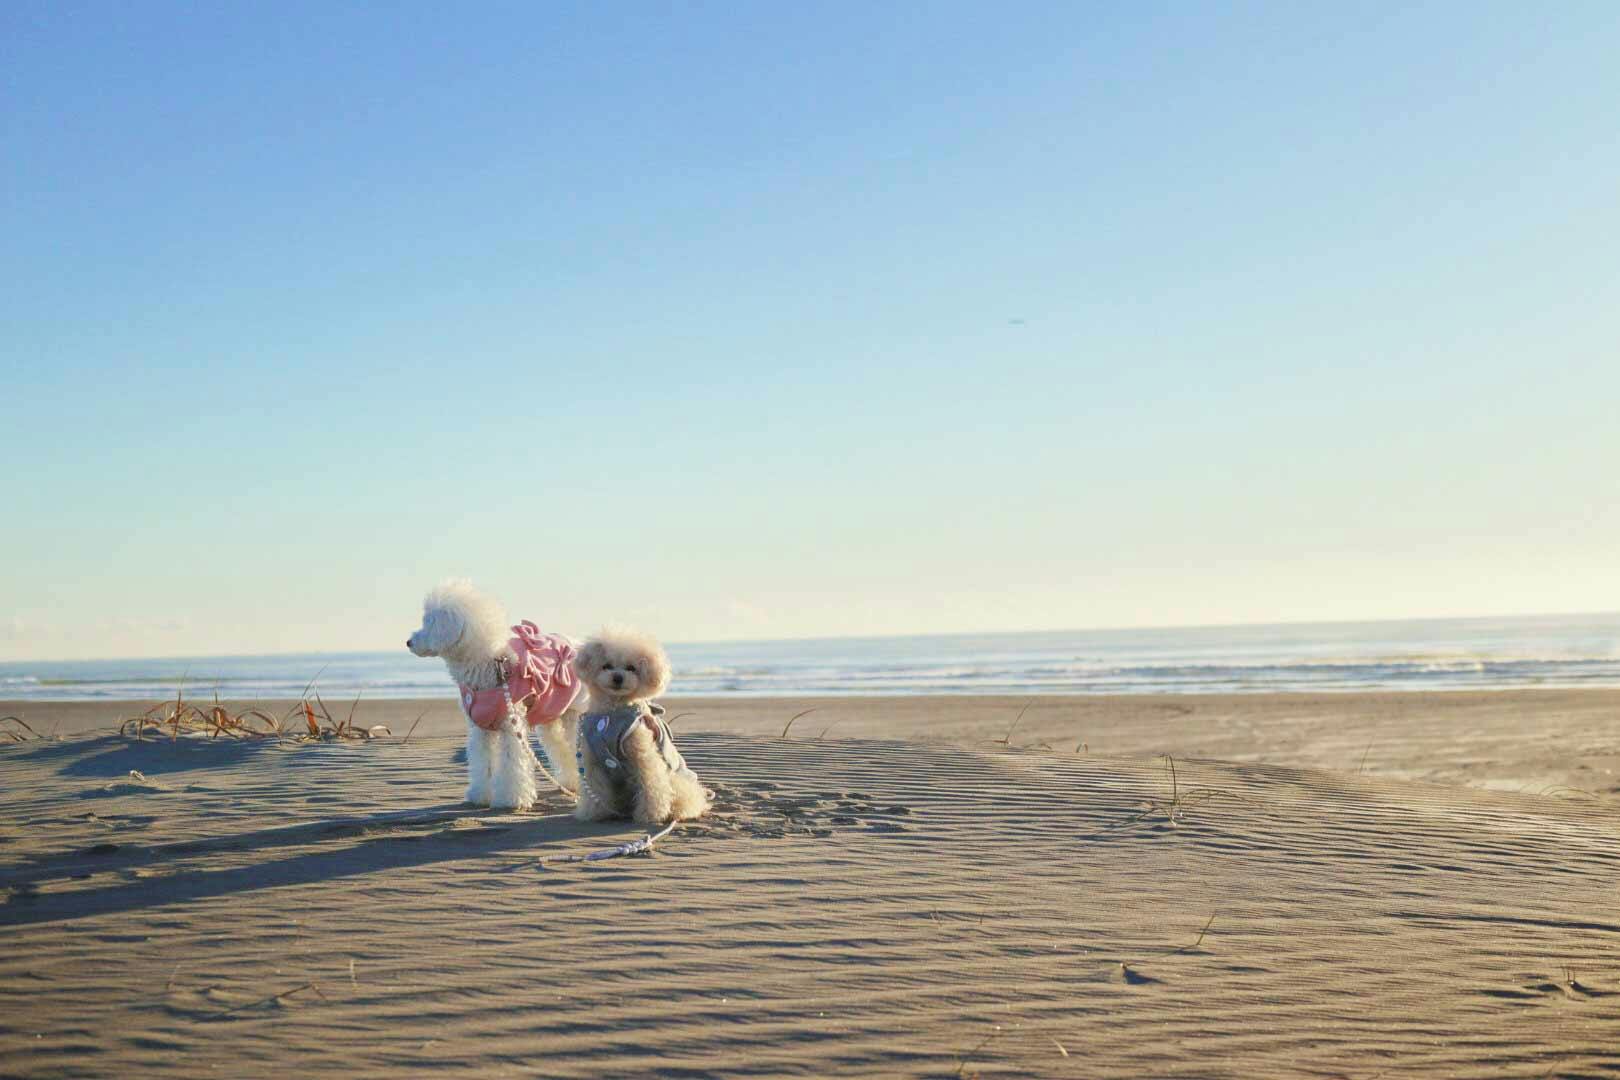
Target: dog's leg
(526,770)
(478,764)
(512,784)
(689,799)
(654,799)
(593,781)
(593,785)
(557,739)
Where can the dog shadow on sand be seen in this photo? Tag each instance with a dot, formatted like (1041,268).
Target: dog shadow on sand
(109,756)
(153,875)
(124,875)
(114,755)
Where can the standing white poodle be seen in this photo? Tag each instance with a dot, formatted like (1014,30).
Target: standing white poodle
(511,678)
(628,764)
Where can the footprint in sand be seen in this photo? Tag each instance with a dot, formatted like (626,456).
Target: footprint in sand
(1572,990)
(135,783)
(118,821)
(757,812)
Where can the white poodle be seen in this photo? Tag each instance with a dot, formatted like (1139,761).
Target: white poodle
(628,764)
(511,678)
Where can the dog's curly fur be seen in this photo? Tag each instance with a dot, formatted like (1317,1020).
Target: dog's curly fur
(622,667)
(469,631)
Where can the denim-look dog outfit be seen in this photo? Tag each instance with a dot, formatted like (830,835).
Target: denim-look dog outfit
(604,734)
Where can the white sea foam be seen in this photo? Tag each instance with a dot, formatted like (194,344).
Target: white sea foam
(1429,654)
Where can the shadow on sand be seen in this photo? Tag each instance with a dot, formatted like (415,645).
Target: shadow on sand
(389,841)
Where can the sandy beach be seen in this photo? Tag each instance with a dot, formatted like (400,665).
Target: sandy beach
(1116,503)
(1323,885)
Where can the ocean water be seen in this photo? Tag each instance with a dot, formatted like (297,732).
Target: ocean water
(1433,654)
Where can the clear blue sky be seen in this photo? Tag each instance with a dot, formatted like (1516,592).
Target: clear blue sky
(802,319)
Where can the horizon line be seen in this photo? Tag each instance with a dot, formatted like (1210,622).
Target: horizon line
(872,637)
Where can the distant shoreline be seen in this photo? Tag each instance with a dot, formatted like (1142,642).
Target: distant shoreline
(1455,654)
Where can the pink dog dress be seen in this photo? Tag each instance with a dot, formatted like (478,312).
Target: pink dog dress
(540,673)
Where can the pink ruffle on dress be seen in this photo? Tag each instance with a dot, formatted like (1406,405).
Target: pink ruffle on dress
(541,677)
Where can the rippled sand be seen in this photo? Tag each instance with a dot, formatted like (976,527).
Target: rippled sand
(859,903)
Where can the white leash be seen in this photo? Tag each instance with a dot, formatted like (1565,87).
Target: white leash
(633,847)
(520,730)
(585,782)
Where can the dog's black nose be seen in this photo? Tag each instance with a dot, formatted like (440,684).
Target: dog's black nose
(618,680)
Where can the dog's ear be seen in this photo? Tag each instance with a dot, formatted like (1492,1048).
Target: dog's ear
(589,659)
(653,668)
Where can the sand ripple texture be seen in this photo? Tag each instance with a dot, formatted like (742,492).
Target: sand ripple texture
(853,908)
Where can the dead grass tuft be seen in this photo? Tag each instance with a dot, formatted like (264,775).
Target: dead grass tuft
(963,1056)
(1180,802)
(795,716)
(18,736)
(1006,740)
(267,999)
(412,731)
(305,721)
(1199,940)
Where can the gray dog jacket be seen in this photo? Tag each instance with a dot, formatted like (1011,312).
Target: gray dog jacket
(604,737)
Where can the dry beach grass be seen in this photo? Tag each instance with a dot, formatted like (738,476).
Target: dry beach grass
(304,720)
(1379,885)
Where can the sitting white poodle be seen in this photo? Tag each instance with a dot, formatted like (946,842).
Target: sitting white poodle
(628,764)
(511,678)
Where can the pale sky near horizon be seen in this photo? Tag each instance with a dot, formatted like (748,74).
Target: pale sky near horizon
(769,320)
